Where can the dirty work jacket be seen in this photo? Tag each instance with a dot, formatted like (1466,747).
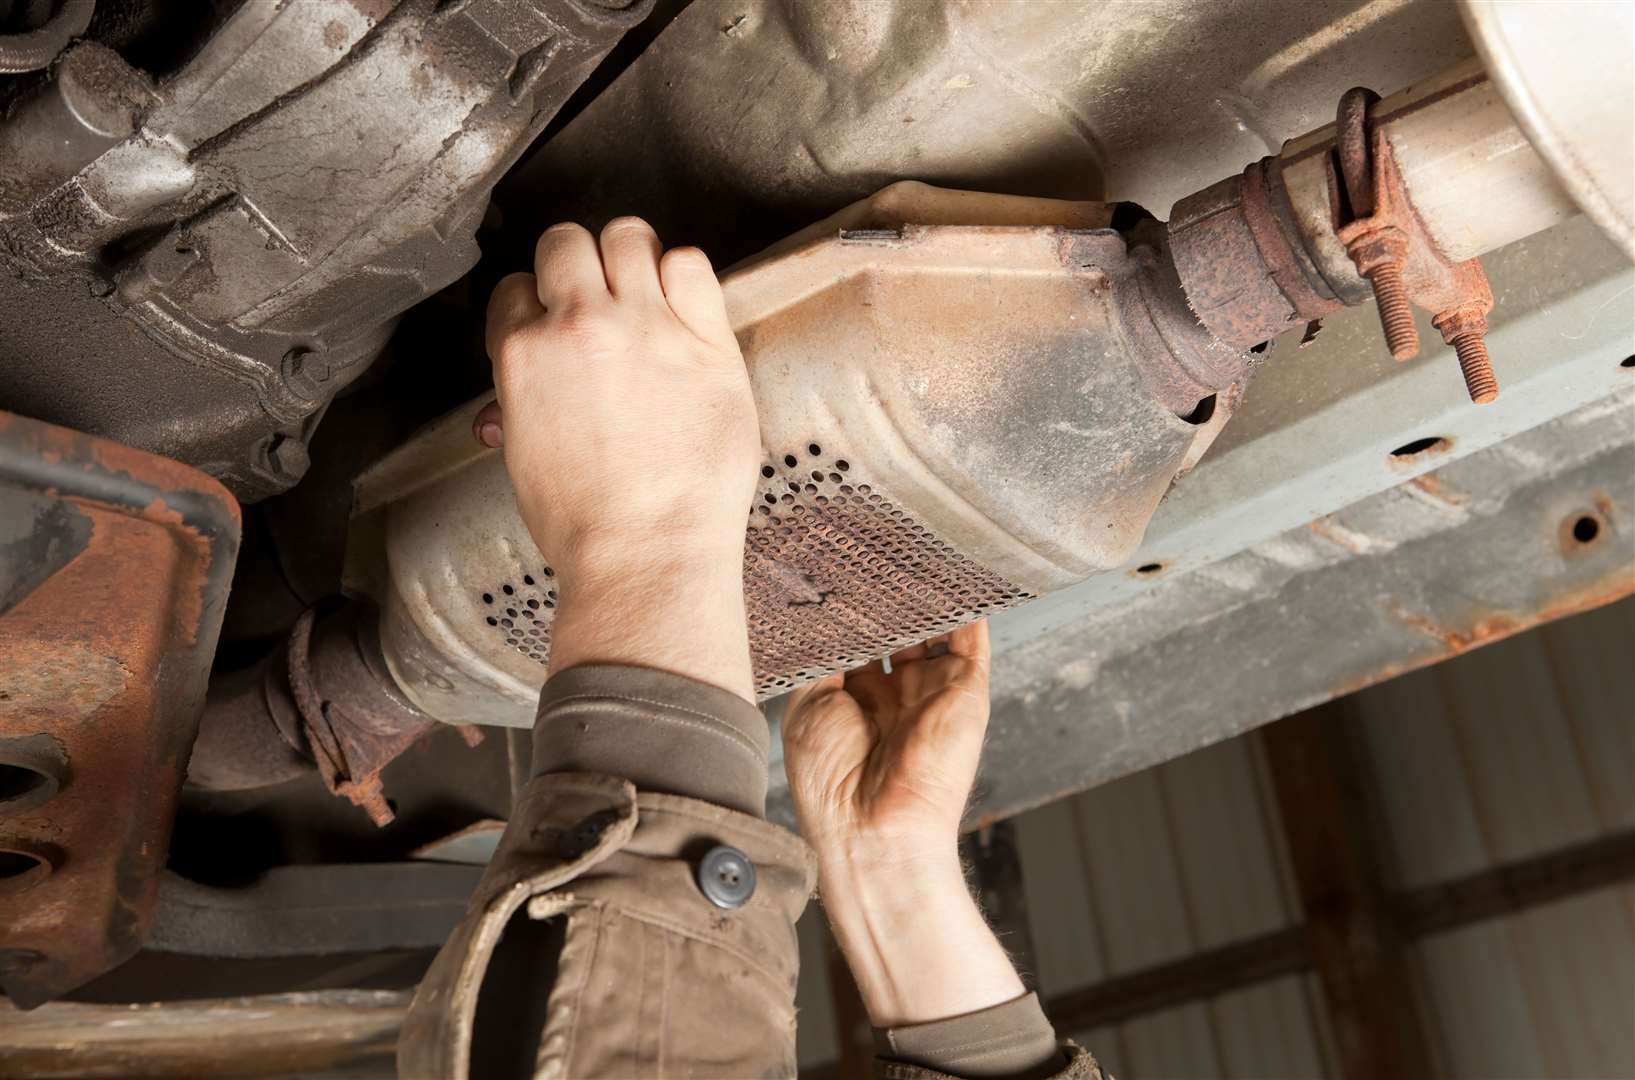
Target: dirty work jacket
(638,919)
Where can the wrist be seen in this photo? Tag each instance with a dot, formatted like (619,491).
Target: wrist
(914,938)
(607,562)
(865,861)
(678,613)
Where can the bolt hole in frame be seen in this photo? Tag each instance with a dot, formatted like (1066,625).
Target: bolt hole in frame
(1581,530)
(1430,444)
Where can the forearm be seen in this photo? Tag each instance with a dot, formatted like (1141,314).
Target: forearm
(679,610)
(917,945)
(938,987)
(650,674)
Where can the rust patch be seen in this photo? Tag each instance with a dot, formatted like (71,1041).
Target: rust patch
(68,683)
(1338,535)
(108,655)
(1489,627)
(1242,262)
(1433,488)
(353,740)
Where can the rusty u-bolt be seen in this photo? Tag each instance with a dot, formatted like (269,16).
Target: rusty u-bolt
(1379,258)
(1388,243)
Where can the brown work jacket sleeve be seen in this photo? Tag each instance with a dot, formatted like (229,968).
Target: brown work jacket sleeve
(1012,1041)
(638,917)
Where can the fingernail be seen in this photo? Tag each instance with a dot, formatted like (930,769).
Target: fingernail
(492,435)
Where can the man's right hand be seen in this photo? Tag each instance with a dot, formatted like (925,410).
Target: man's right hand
(880,767)
(629,431)
(886,762)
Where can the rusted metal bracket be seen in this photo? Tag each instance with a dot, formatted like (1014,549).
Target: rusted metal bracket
(1385,237)
(114,571)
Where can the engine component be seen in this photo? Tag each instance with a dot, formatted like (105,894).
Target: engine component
(31,50)
(323,700)
(230,248)
(955,418)
(114,569)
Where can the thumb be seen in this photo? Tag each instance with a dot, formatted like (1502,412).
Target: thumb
(489,426)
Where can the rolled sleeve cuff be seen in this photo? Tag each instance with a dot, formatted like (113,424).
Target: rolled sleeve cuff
(1013,1041)
(662,732)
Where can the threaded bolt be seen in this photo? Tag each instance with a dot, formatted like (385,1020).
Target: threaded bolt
(1476,367)
(1396,311)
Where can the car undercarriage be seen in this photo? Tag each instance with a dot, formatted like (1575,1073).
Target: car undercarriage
(1230,357)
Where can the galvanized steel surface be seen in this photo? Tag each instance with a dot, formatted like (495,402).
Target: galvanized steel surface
(1317,431)
(1448,561)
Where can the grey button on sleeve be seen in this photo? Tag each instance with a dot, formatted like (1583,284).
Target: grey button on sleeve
(726,877)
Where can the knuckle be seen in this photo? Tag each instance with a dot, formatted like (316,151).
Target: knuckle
(562,230)
(625,225)
(688,258)
(560,242)
(512,297)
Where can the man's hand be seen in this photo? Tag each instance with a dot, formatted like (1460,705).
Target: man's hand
(629,432)
(880,767)
(887,761)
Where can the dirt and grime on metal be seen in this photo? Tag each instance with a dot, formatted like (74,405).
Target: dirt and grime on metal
(1485,628)
(297,1034)
(105,650)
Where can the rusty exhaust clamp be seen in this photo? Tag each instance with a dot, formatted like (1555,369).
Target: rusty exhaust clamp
(354,737)
(322,701)
(114,571)
(1392,249)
